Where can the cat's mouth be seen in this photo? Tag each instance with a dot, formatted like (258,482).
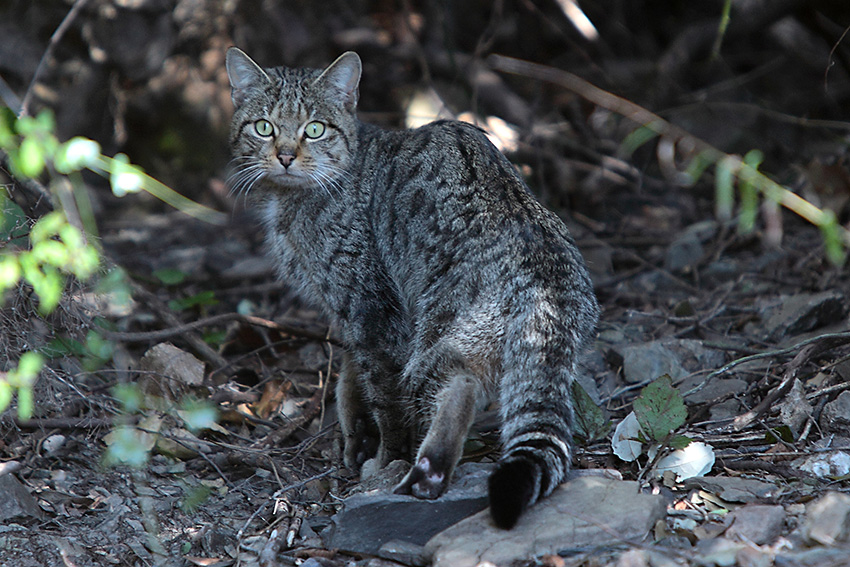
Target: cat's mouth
(289,175)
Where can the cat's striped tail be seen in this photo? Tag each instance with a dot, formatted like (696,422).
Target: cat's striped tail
(537,414)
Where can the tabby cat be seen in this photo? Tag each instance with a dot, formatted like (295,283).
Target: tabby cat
(449,283)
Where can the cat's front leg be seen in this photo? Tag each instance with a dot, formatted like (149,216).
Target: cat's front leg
(377,385)
(359,433)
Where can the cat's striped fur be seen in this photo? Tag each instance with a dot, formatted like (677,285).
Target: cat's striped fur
(450,284)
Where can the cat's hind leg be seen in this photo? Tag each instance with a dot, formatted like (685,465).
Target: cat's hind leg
(454,409)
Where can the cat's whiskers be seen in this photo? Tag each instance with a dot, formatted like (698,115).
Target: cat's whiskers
(244,176)
(328,182)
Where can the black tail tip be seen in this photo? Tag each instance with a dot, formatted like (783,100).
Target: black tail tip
(512,486)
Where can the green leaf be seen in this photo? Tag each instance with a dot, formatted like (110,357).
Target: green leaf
(27,371)
(636,139)
(783,432)
(63,346)
(6,392)
(749,193)
(129,396)
(115,284)
(660,408)
(724,199)
(198,415)
(10,272)
(51,252)
(680,441)
(47,227)
(697,167)
(833,244)
(98,351)
(25,403)
(7,128)
(204,298)
(29,159)
(590,422)
(170,276)
(76,154)
(48,285)
(127,446)
(13,221)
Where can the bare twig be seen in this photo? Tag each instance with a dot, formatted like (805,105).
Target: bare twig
(54,41)
(784,387)
(832,340)
(163,334)
(201,348)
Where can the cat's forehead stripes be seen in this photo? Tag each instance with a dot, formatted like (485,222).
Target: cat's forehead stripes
(290,93)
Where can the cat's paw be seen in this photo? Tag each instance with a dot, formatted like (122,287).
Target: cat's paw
(423,481)
(361,445)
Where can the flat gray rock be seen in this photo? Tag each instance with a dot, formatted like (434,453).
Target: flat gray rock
(735,489)
(16,500)
(756,523)
(371,519)
(805,312)
(828,519)
(676,357)
(584,512)
(835,417)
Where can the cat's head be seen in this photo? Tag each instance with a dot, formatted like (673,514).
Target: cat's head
(293,128)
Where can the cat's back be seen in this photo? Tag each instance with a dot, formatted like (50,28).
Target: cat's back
(446,188)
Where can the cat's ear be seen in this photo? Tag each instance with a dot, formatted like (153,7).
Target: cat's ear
(245,75)
(342,77)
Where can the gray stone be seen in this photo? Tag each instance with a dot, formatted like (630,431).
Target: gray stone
(16,500)
(795,410)
(805,312)
(404,553)
(835,417)
(686,250)
(831,464)
(815,557)
(756,523)
(646,362)
(683,254)
(585,511)
(676,357)
(370,520)
(718,551)
(828,519)
(734,489)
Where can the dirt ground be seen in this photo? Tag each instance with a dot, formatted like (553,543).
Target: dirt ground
(682,292)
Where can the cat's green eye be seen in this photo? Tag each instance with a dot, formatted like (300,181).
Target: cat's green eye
(314,130)
(263,127)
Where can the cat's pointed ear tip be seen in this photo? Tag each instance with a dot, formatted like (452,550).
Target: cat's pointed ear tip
(352,57)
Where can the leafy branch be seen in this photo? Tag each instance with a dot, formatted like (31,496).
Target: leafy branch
(59,244)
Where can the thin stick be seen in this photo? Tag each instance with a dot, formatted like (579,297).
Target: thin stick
(162,334)
(54,41)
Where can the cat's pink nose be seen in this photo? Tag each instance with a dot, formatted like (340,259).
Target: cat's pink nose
(286,159)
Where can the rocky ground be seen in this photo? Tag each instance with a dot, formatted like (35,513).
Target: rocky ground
(752,329)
